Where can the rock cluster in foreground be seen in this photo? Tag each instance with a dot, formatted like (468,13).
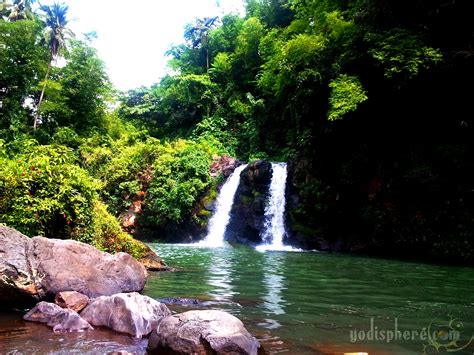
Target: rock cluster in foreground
(35,269)
(96,289)
(193,332)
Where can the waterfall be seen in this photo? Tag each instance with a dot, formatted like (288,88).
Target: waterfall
(219,221)
(274,217)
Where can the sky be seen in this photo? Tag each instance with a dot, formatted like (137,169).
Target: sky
(134,35)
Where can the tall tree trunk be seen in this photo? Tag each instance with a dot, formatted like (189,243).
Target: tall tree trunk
(35,122)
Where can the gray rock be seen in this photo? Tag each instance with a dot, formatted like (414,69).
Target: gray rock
(202,332)
(67,265)
(60,319)
(38,268)
(129,313)
(17,282)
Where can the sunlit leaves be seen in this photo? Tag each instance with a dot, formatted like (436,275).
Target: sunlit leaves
(293,63)
(180,176)
(346,94)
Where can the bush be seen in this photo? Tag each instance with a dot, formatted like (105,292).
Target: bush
(180,177)
(43,191)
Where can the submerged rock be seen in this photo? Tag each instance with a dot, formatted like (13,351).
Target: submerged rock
(71,300)
(38,268)
(180,301)
(129,313)
(60,319)
(202,332)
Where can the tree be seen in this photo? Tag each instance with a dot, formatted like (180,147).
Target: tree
(56,33)
(19,10)
(198,34)
(22,62)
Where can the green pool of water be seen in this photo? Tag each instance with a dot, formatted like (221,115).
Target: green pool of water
(311,302)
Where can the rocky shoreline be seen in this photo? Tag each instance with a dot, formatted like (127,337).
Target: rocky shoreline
(73,287)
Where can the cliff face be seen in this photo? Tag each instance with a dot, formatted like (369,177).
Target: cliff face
(247,213)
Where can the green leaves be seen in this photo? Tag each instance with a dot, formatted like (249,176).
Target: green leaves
(180,177)
(22,64)
(293,63)
(346,94)
(402,54)
(44,192)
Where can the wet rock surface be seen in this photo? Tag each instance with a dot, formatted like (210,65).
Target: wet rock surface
(129,313)
(202,332)
(60,319)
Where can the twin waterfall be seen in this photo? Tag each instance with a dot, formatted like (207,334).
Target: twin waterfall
(274,218)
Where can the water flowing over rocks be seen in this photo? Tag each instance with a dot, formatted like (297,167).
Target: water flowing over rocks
(60,319)
(202,332)
(38,268)
(129,313)
(220,219)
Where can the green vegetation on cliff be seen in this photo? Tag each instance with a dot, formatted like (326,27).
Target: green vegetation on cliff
(356,94)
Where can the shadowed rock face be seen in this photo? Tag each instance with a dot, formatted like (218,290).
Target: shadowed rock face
(202,332)
(61,320)
(39,268)
(129,313)
(18,285)
(247,213)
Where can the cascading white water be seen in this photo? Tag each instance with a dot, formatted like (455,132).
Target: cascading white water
(274,218)
(219,221)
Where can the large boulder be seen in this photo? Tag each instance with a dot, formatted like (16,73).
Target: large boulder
(202,332)
(67,265)
(60,319)
(39,268)
(129,313)
(247,215)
